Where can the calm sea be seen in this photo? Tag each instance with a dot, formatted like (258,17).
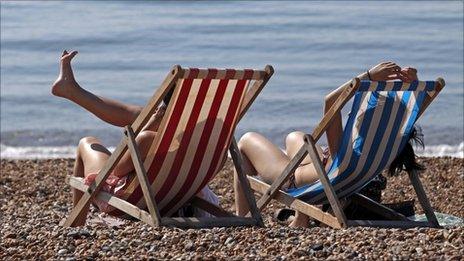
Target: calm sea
(126,48)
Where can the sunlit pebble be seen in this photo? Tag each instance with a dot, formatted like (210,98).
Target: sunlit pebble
(30,230)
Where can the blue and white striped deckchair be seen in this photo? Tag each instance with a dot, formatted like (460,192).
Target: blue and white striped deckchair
(379,124)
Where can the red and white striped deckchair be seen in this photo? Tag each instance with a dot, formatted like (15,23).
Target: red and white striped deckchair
(194,135)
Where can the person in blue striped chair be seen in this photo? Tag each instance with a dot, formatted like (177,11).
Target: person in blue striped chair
(267,160)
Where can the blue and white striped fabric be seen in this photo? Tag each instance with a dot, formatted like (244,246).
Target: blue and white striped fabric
(380,121)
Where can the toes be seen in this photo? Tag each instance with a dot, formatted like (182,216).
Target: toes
(64,53)
(73,53)
(67,57)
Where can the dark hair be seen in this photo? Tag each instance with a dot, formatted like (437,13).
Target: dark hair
(168,96)
(406,159)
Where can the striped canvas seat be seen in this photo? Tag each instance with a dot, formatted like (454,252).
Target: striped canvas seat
(376,131)
(193,137)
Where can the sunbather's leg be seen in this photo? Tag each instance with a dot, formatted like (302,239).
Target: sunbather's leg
(91,157)
(260,156)
(293,143)
(111,111)
(267,159)
(264,158)
(306,173)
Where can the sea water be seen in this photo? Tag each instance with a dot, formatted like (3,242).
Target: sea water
(126,49)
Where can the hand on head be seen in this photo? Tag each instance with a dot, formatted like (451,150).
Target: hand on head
(391,71)
(408,74)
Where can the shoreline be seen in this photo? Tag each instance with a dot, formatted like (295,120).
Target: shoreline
(35,198)
(60,152)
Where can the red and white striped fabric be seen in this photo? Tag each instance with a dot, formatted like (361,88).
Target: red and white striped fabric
(194,136)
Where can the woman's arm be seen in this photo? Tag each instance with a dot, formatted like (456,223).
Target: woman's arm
(380,72)
(144,141)
(155,120)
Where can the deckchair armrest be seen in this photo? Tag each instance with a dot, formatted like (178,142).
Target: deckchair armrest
(344,97)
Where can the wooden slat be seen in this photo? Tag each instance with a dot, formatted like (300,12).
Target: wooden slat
(377,208)
(148,193)
(328,189)
(238,163)
(254,90)
(114,201)
(387,223)
(279,182)
(144,216)
(209,207)
(344,97)
(294,203)
(221,74)
(208,222)
(423,200)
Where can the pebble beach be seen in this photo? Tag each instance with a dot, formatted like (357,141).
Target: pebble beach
(34,199)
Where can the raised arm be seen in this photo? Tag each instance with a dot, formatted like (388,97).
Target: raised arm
(381,72)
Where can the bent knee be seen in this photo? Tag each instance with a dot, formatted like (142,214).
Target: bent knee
(248,138)
(144,140)
(145,135)
(87,140)
(296,136)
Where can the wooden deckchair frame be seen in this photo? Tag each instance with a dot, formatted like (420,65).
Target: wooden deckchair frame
(338,218)
(152,217)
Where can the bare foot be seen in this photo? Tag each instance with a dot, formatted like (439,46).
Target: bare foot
(300,220)
(65,84)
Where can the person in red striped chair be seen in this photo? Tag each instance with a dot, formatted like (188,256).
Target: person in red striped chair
(91,154)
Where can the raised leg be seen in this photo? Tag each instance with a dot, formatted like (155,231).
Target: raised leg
(109,110)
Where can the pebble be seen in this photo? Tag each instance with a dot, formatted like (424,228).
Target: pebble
(189,246)
(30,231)
(317,247)
(229,241)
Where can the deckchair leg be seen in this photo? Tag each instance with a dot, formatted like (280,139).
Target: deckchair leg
(328,189)
(238,162)
(295,203)
(423,200)
(377,207)
(209,207)
(148,193)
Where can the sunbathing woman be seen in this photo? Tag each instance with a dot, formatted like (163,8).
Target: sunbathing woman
(91,154)
(265,159)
